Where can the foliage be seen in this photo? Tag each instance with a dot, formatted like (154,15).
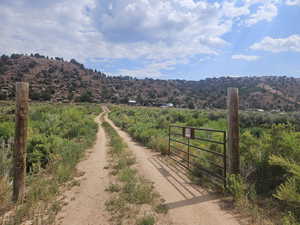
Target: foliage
(6,129)
(289,191)
(146,220)
(57,137)
(289,219)
(236,186)
(269,148)
(86,96)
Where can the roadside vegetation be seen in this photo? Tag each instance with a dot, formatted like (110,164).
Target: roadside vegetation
(269,185)
(58,134)
(133,199)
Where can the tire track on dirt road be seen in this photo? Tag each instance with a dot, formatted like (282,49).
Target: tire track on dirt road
(86,202)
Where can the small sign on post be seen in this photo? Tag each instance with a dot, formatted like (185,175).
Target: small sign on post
(19,170)
(189,132)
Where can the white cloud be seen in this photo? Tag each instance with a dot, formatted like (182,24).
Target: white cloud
(117,29)
(56,29)
(291,43)
(206,58)
(152,69)
(231,10)
(264,12)
(293,2)
(133,29)
(173,26)
(246,57)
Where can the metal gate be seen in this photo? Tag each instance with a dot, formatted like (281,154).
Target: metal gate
(187,146)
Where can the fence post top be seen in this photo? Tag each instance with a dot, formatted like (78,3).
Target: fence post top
(20,83)
(232,89)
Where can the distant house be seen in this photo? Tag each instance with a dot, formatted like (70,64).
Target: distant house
(168,105)
(132,102)
(275,110)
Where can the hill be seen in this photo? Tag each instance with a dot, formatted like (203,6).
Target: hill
(54,79)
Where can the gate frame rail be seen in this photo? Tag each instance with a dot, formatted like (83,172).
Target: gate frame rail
(190,135)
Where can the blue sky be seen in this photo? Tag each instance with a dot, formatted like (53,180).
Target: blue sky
(167,39)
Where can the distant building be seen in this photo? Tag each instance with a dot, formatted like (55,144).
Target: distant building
(132,102)
(275,110)
(168,105)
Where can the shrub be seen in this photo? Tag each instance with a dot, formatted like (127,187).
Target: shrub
(159,144)
(236,186)
(6,130)
(146,220)
(289,191)
(289,219)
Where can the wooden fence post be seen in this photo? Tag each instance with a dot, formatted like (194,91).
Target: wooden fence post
(22,92)
(233,131)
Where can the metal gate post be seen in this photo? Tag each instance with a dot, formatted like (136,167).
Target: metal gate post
(189,153)
(225,159)
(169,150)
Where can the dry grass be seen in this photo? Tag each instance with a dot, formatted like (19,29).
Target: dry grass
(133,199)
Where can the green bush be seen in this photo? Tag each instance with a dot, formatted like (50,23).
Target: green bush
(236,186)
(146,220)
(289,191)
(159,144)
(6,130)
(289,219)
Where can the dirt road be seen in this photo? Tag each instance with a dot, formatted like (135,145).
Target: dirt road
(188,204)
(86,201)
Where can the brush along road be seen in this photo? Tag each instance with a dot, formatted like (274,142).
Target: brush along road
(188,204)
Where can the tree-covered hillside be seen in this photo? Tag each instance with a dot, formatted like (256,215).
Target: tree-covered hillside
(58,80)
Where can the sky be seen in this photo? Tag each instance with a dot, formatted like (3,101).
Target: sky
(164,39)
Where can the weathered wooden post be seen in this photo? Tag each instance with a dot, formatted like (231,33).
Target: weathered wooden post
(22,92)
(233,131)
